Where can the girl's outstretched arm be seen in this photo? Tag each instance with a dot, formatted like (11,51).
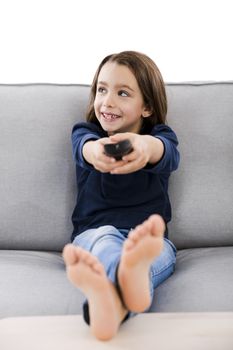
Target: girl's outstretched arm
(146,149)
(93,153)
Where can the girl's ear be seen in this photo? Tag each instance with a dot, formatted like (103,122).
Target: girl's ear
(146,112)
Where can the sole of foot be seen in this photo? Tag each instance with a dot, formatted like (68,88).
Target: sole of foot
(87,273)
(142,246)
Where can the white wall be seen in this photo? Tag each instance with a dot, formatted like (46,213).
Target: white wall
(63,41)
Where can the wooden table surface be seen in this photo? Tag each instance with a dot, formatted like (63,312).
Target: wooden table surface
(157,331)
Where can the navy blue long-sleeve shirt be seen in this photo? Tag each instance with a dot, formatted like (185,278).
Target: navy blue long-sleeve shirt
(123,201)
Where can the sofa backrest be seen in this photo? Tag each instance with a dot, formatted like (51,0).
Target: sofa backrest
(37,173)
(201,190)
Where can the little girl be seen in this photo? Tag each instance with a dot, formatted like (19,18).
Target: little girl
(120,250)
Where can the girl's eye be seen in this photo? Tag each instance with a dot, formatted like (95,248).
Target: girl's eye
(101,90)
(123,93)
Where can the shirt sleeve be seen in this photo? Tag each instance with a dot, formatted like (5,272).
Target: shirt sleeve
(81,133)
(171,157)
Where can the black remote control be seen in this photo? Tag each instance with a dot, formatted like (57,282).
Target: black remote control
(118,150)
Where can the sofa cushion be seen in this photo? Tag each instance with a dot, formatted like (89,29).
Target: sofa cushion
(35,283)
(201,190)
(37,177)
(202,281)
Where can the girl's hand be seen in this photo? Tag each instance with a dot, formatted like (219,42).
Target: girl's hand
(146,149)
(93,152)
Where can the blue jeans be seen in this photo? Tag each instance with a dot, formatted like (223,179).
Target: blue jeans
(106,243)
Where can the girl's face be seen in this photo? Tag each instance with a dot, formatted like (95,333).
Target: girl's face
(119,105)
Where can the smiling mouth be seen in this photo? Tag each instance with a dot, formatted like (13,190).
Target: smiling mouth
(110,116)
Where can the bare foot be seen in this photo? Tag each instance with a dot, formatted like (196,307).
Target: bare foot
(86,272)
(142,246)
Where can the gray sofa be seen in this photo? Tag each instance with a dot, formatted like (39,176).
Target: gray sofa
(37,193)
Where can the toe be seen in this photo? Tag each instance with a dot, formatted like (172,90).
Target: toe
(128,244)
(157,225)
(98,267)
(69,255)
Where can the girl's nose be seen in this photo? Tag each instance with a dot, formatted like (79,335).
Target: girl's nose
(108,100)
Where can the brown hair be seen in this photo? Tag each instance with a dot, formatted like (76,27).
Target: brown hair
(149,80)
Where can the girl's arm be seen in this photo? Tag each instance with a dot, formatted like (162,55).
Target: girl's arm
(146,149)
(155,148)
(93,153)
(157,153)
(88,148)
